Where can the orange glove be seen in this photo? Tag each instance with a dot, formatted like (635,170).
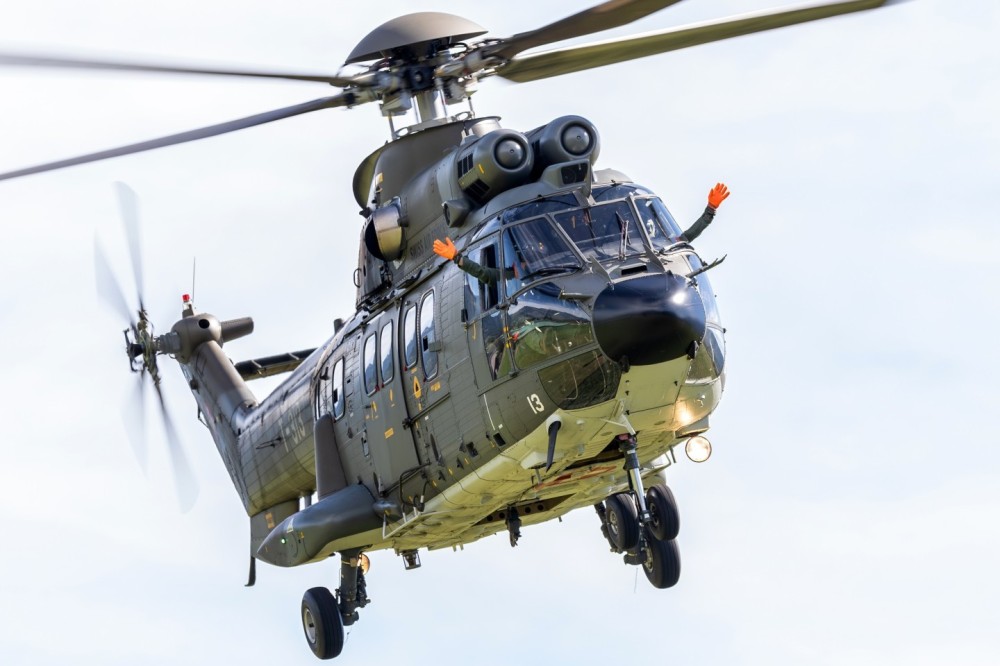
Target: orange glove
(718,195)
(445,249)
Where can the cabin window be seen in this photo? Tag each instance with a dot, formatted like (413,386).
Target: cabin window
(338,389)
(321,404)
(385,349)
(428,342)
(409,337)
(371,371)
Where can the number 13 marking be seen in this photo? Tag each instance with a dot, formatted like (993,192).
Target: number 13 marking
(535,403)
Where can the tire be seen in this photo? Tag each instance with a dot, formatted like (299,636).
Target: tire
(666,522)
(623,525)
(663,563)
(321,622)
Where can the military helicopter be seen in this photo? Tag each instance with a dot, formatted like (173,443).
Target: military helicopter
(448,408)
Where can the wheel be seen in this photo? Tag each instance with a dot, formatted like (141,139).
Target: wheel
(322,623)
(623,525)
(663,563)
(665,521)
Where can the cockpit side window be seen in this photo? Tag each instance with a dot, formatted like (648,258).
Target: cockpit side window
(513,265)
(482,295)
(658,222)
(535,249)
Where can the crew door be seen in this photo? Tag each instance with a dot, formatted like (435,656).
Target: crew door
(390,439)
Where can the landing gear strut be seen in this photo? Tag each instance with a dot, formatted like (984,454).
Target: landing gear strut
(642,524)
(325,616)
(513,525)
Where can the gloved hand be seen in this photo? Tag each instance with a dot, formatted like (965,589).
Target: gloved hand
(717,195)
(445,249)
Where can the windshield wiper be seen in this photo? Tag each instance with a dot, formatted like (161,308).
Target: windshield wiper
(624,242)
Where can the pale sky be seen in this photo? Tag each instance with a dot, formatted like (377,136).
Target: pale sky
(849,512)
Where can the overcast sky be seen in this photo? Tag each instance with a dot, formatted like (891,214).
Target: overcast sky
(849,513)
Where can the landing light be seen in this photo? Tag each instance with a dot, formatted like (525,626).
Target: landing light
(698,449)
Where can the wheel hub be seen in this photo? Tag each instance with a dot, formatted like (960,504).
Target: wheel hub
(309,624)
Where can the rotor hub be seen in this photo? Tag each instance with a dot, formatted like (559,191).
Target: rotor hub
(414,37)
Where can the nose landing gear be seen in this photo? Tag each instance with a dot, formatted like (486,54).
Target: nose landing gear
(643,525)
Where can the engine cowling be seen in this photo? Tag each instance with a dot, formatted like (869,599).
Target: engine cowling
(496,162)
(565,139)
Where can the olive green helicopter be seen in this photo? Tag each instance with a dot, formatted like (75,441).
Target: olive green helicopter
(551,357)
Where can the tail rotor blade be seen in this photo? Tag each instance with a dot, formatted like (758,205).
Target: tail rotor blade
(134,417)
(107,285)
(184,481)
(142,354)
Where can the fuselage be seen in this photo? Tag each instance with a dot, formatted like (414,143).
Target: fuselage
(441,398)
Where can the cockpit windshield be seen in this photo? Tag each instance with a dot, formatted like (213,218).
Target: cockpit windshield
(626,220)
(604,231)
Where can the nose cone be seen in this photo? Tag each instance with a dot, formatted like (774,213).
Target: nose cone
(650,319)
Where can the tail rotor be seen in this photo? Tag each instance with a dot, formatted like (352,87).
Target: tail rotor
(142,346)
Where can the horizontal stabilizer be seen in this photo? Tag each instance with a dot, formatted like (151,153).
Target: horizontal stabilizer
(268,366)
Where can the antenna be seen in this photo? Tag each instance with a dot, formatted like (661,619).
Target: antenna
(194,272)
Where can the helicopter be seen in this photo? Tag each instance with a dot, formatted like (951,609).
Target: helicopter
(447,409)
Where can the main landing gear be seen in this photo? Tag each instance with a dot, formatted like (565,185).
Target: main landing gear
(325,616)
(643,524)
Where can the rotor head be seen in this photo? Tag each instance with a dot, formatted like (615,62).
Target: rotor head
(414,37)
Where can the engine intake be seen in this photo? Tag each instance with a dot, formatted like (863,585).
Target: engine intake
(498,161)
(565,139)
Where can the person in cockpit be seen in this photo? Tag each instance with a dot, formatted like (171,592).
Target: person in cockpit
(484,274)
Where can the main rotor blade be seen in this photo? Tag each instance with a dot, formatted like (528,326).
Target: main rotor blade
(108,287)
(184,481)
(129,207)
(597,54)
(24,60)
(604,16)
(342,99)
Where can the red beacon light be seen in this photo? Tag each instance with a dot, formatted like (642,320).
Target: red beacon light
(187,309)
